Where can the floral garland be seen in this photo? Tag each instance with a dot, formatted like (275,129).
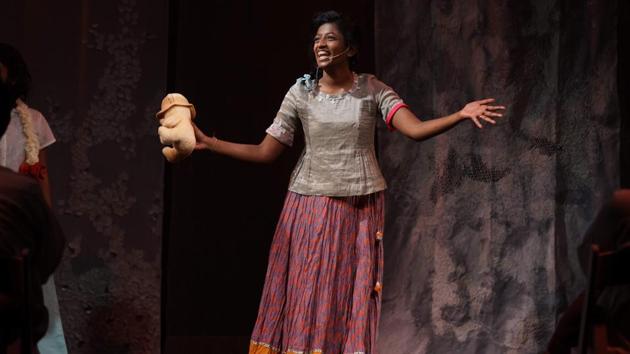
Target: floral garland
(31,165)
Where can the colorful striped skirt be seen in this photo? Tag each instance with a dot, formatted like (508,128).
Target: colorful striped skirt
(322,291)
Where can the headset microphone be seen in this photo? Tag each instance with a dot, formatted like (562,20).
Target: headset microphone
(340,54)
(330,61)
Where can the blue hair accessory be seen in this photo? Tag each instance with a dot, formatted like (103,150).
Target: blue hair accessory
(307,81)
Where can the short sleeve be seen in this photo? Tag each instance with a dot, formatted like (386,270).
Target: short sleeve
(286,121)
(42,129)
(387,100)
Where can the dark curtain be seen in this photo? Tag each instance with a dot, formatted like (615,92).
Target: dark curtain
(482,225)
(99,73)
(623,84)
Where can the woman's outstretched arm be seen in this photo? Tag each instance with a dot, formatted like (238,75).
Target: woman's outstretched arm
(409,125)
(265,152)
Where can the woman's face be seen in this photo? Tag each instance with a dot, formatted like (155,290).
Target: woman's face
(329,46)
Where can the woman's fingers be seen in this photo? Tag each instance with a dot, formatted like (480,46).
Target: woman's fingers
(200,138)
(198,133)
(492,114)
(476,121)
(488,119)
(485,100)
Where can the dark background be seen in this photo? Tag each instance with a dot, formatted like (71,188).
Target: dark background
(481,225)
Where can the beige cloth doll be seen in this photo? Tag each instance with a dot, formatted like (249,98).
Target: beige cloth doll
(176,127)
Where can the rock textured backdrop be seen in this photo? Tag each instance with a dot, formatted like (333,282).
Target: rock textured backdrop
(482,225)
(99,73)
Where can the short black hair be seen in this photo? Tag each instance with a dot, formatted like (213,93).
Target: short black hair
(346,26)
(19,78)
(7,103)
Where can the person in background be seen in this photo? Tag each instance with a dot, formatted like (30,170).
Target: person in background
(26,222)
(22,149)
(610,230)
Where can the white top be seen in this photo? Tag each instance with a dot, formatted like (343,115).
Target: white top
(338,157)
(12,153)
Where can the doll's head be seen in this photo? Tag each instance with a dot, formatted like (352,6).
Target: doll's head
(175,105)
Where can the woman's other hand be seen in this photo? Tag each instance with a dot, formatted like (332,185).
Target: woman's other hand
(481,110)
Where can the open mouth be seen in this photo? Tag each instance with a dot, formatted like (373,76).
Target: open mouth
(323,55)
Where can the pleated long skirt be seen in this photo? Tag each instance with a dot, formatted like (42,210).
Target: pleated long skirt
(322,291)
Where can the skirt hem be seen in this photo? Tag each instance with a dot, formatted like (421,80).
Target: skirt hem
(266,348)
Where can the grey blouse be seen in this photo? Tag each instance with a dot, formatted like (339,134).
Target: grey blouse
(338,158)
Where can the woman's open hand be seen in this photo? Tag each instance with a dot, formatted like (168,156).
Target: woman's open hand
(481,110)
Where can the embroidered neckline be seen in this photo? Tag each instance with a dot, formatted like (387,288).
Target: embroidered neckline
(321,96)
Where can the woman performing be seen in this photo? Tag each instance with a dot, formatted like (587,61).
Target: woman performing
(22,150)
(322,292)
